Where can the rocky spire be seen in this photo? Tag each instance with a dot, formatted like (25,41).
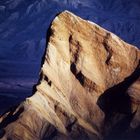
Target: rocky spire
(87,85)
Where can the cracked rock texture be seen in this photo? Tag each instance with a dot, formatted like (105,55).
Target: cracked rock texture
(89,83)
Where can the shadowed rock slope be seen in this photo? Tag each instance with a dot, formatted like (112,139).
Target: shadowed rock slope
(89,86)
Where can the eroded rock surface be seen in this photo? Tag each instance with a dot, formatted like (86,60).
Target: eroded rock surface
(89,82)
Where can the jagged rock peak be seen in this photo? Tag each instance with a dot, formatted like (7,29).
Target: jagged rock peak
(84,67)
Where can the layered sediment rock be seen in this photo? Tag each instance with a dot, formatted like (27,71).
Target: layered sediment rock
(89,82)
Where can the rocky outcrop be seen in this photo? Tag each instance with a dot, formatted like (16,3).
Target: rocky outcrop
(89,83)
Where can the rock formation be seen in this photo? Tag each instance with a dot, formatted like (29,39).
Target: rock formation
(89,83)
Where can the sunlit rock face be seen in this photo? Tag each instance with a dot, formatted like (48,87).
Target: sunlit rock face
(87,86)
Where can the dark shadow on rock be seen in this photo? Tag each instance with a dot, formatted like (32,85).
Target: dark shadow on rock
(135,134)
(11,117)
(122,131)
(115,100)
(119,130)
(48,34)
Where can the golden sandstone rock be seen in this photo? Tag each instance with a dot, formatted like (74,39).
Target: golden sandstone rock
(89,82)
